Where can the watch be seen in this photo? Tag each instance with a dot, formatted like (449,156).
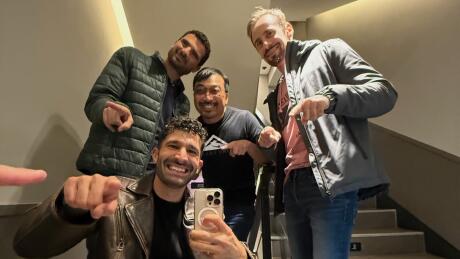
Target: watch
(329,94)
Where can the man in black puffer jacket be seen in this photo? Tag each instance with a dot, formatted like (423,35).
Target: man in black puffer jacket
(132,99)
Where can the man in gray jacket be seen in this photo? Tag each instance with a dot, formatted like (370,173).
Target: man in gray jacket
(319,113)
(132,99)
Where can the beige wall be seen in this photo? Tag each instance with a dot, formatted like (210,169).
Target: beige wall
(428,189)
(414,44)
(51,53)
(155,25)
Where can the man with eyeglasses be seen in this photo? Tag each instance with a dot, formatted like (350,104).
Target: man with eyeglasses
(230,150)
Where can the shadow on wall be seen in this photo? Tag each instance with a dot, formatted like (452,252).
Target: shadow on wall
(55,150)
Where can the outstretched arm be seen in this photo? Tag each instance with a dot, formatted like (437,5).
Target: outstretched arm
(64,219)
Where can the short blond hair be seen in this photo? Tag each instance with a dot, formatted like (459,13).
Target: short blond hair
(259,12)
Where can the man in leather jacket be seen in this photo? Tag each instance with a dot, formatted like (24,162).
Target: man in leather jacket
(126,218)
(319,111)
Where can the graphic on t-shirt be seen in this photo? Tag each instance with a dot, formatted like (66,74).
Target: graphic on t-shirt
(214,143)
(283,104)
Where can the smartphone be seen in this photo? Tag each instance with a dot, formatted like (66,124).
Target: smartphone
(208,201)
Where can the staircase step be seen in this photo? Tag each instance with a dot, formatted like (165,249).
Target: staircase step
(366,219)
(387,241)
(370,203)
(280,246)
(375,219)
(396,256)
(277,224)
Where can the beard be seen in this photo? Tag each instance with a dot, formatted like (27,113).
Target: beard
(273,61)
(275,58)
(178,63)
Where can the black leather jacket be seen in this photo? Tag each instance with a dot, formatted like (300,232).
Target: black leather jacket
(51,229)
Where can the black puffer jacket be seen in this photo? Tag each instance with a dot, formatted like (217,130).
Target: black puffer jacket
(139,82)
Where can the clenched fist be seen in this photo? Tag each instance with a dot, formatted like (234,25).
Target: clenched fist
(268,137)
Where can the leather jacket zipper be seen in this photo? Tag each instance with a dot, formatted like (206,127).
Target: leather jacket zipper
(120,240)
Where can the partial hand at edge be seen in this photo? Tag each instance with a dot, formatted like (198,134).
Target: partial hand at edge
(20,176)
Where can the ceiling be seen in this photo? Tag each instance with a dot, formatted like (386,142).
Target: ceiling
(300,10)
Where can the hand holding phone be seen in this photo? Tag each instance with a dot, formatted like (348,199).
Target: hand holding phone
(207,201)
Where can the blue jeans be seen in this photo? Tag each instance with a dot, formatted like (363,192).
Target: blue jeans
(317,227)
(240,219)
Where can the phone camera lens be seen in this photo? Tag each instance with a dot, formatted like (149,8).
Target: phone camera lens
(210,198)
(217,194)
(217,201)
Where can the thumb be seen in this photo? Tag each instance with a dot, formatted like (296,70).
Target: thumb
(218,222)
(104,209)
(296,110)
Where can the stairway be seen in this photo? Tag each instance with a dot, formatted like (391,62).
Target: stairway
(375,236)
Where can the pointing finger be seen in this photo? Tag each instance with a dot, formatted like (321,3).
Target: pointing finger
(123,110)
(20,176)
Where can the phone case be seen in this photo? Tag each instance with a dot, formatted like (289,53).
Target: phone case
(207,201)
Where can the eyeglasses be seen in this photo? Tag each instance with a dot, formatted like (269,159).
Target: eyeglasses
(204,91)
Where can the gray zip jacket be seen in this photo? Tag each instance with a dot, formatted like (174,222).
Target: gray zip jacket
(343,159)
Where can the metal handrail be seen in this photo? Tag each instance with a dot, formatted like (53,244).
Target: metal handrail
(262,218)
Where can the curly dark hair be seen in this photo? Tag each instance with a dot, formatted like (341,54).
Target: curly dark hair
(204,40)
(184,124)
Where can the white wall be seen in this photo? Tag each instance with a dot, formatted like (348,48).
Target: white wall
(414,44)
